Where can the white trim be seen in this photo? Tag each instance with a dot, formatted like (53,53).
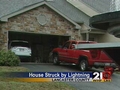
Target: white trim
(82,7)
(5,18)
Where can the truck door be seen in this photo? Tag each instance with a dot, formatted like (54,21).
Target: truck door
(64,52)
(71,53)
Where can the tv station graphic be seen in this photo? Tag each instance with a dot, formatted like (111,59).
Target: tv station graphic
(58,76)
(101,76)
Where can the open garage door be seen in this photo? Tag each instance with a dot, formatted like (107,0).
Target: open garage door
(41,44)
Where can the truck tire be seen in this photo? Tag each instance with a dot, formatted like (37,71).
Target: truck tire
(56,60)
(83,65)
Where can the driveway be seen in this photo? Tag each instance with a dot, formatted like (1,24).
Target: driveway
(114,85)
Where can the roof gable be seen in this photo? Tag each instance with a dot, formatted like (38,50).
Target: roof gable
(5,18)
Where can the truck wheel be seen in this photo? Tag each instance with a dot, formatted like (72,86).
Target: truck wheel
(83,65)
(56,60)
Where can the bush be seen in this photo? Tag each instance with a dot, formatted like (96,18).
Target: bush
(8,58)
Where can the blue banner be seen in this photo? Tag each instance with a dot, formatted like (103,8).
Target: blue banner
(50,74)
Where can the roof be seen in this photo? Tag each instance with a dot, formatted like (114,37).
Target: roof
(6,7)
(83,7)
(101,6)
(6,17)
(10,6)
(92,7)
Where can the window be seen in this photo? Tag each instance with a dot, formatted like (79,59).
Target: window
(91,39)
(66,45)
(72,45)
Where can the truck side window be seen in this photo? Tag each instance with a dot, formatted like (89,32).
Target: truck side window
(66,45)
(72,45)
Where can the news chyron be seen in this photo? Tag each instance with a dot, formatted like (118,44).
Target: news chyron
(60,76)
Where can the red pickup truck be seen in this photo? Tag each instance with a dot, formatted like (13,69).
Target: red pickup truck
(84,59)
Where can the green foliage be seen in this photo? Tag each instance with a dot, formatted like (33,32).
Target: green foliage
(8,58)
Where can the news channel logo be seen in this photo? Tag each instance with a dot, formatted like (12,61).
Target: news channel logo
(102,76)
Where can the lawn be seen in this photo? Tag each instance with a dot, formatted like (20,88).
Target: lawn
(13,69)
(12,85)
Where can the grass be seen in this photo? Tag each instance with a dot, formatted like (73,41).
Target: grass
(34,86)
(12,85)
(13,69)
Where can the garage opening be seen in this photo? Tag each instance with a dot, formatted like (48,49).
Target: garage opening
(41,44)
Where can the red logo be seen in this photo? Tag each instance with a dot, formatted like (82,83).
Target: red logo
(106,75)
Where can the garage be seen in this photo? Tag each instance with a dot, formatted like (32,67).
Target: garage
(41,44)
(42,26)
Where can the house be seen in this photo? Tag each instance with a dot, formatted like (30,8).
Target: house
(46,24)
(91,8)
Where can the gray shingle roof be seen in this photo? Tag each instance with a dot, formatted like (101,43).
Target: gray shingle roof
(10,6)
(101,6)
(70,11)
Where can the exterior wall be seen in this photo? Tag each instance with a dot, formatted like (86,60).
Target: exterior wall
(3,38)
(84,27)
(84,32)
(98,37)
(108,38)
(28,22)
(88,34)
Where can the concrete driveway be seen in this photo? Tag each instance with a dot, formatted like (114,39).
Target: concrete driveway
(114,85)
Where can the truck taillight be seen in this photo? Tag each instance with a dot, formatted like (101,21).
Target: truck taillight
(95,53)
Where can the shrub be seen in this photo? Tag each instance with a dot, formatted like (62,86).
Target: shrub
(8,58)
